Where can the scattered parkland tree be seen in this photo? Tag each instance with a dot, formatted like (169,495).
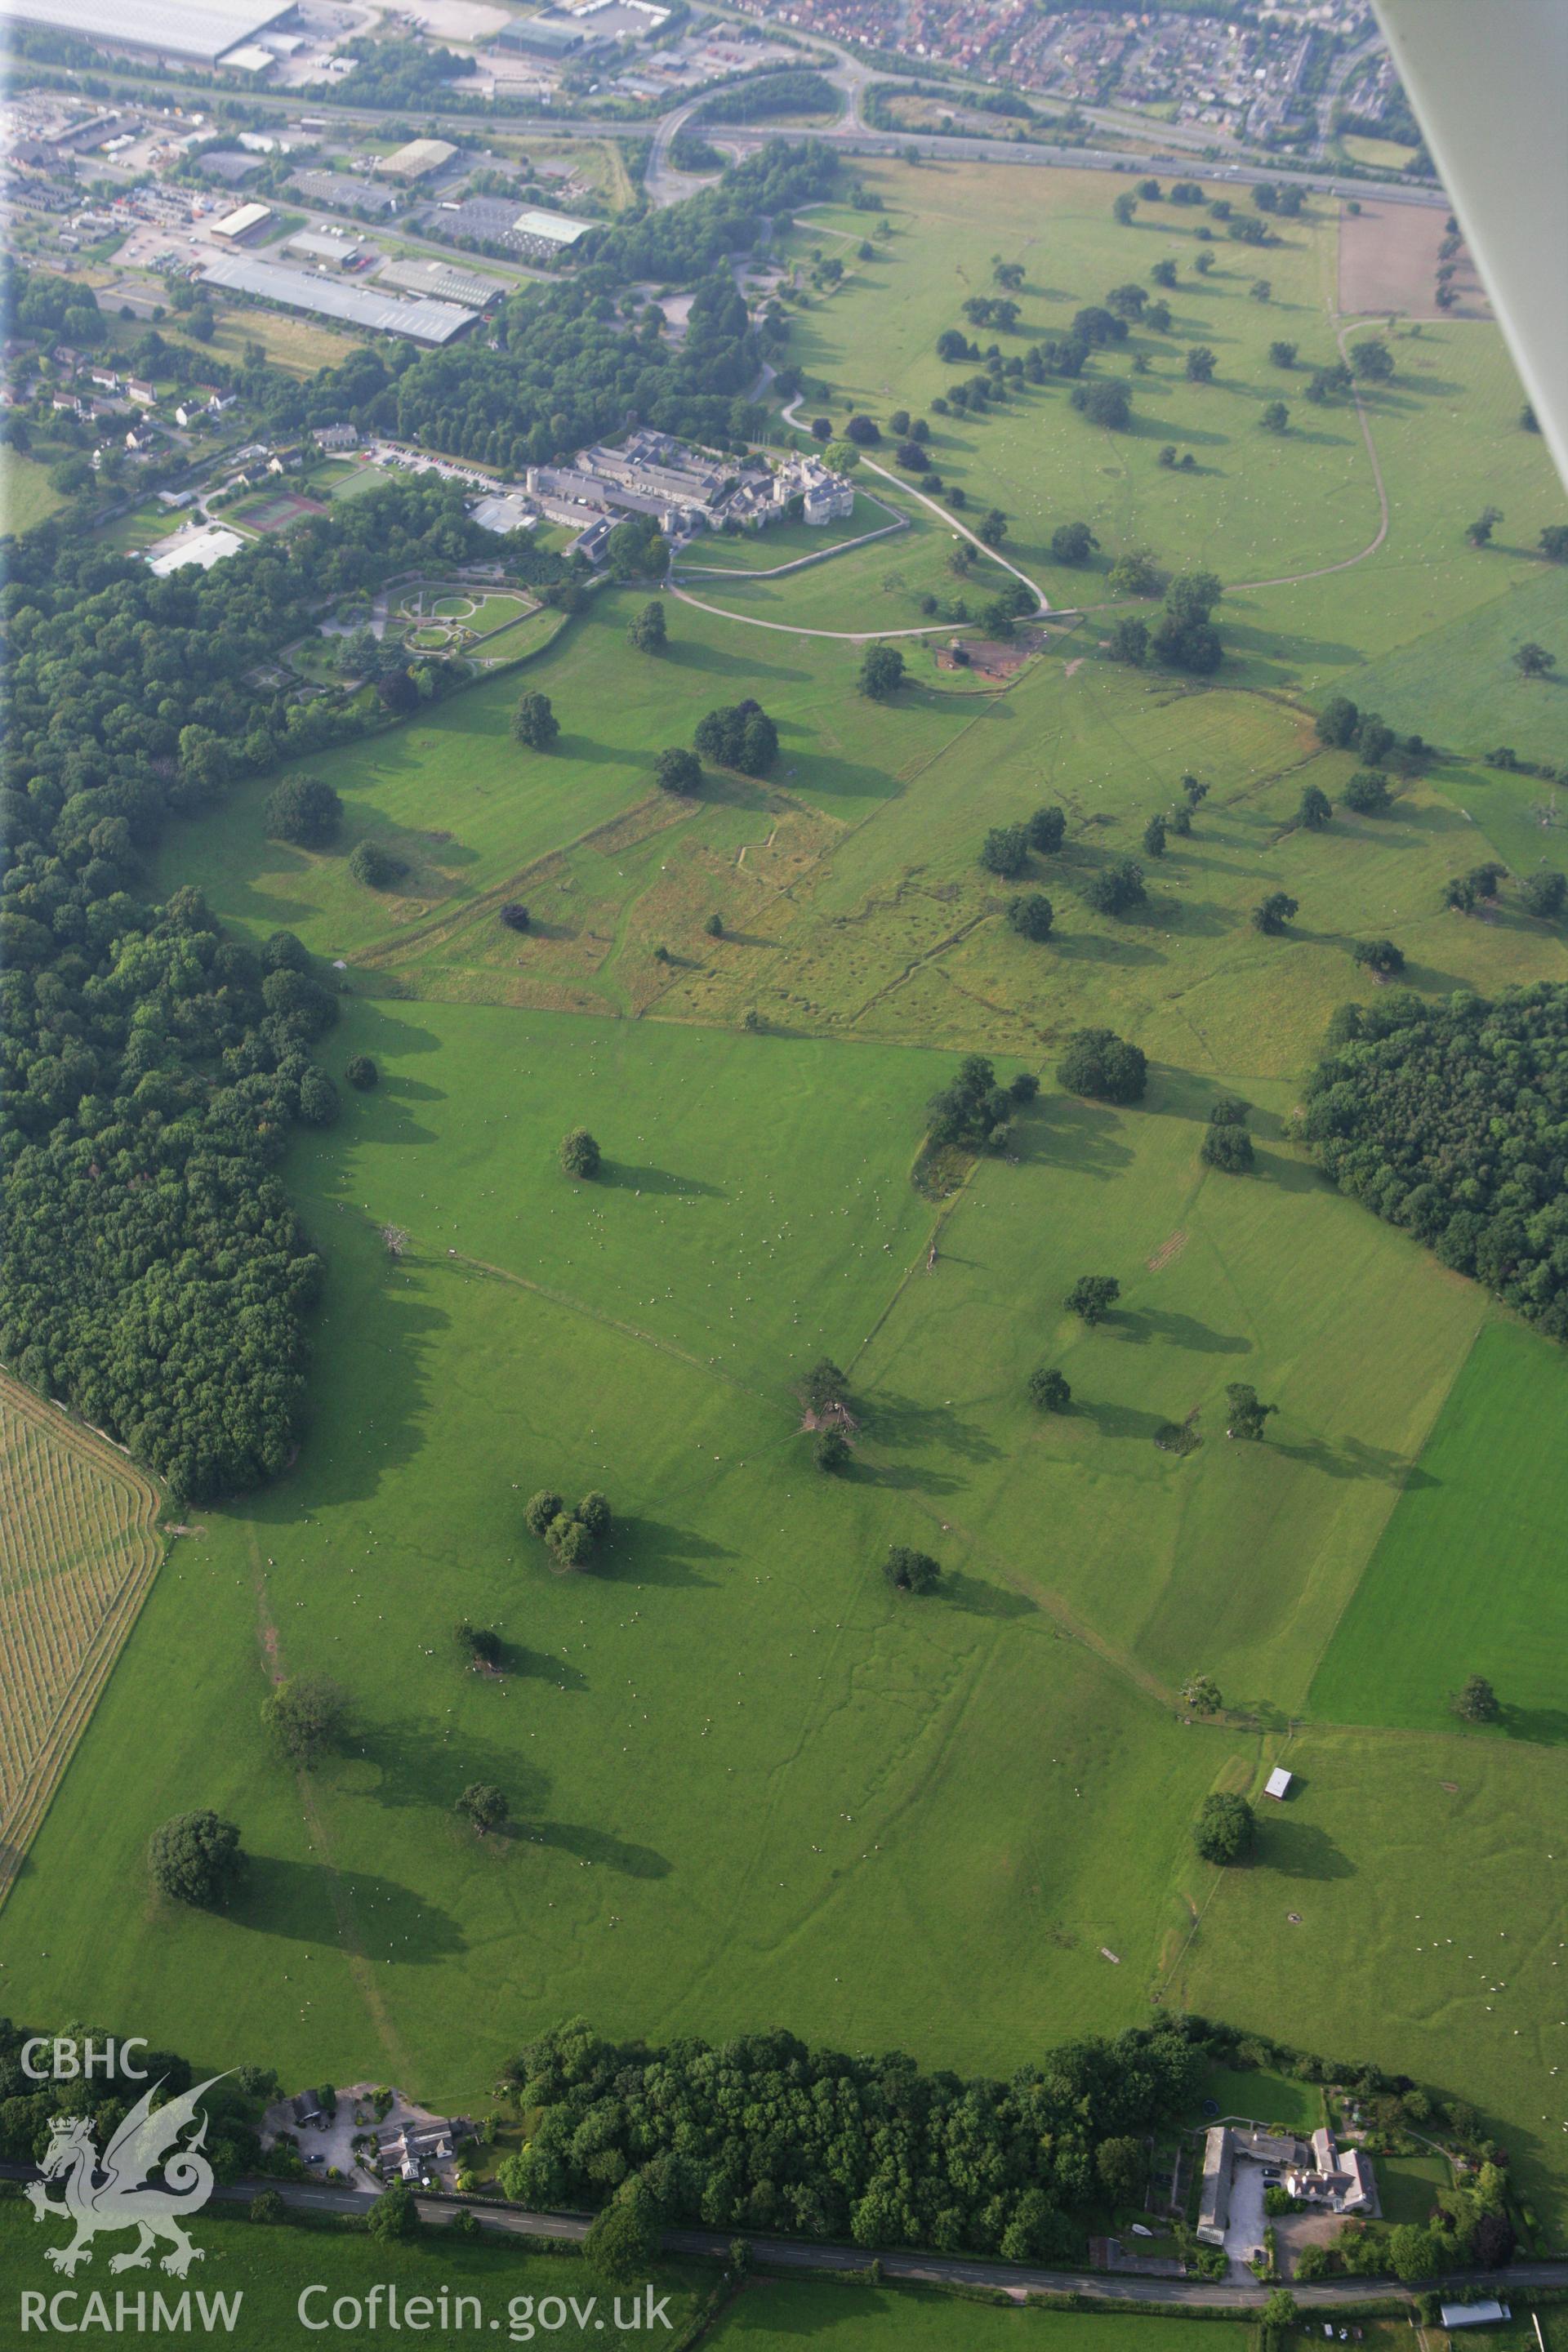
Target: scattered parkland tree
(376,866)
(1074,542)
(1031,915)
(824,1386)
(1124,207)
(307,1717)
(1314,810)
(484,1805)
(1477,1702)
(1554,542)
(881,672)
(1200,365)
(1134,573)
(1046,829)
(1543,894)
(1116,888)
(677,770)
(1532,660)
(911,1572)
(580,1154)
(1282,355)
(1202,1693)
(1244,1414)
(1275,417)
(1194,791)
(974,1111)
(740,736)
(831,1450)
(648,630)
(1479,532)
(515,915)
(864,430)
(302,810)
(1223,1831)
(1205,261)
(572,1535)
(1337,722)
(993,527)
(1104,401)
(362,1073)
(1154,837)
(1006,851)
(1164,273)
(1367,793)
(541,1510)
(1379,956)
(1227,1147)
(1185,637)
(1271,914)
(533,722)
(480,1644)
(1128,641)
(196,1858)
(1260,291)
(1371,362)
(1049,1391)
(1092,1296)
(1099,1064)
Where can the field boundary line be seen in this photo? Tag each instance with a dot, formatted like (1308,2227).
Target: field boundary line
(74,1706)
(596,1315)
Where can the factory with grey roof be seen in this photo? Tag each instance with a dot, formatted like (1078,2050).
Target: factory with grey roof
(424,320)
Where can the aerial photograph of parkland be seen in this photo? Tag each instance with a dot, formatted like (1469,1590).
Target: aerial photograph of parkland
(784,1174)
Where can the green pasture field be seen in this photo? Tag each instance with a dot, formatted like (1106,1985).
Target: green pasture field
(774,2315)
(1407,2185)
(1264,2097)
(878,586)
(1466,1577)
(775,1792)
(469,809)
(27,496)
(785,542)
(271,2266)
(743,1768)
(1389,1846)
(1259,508)
(1457,685)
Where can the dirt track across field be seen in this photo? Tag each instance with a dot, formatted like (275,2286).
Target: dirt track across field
(1388,261)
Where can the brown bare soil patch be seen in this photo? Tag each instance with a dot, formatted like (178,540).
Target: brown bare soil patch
(1388,261)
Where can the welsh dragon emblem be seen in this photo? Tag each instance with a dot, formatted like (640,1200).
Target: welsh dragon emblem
(115,2191)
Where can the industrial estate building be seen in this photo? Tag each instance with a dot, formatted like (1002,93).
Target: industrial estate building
(198,31)
(424,321)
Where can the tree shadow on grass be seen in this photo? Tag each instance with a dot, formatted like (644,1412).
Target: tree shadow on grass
(627,1176)
(902,1478)
(650,1552)
(688,652)
(595,1846)
(1354,1459)
(1301,1849)
(301,1900)
(420,1772)
(1543,1726)
(903,1422)
(1082,1136)
(979,1598)
(1119,1419)
(1141,1325)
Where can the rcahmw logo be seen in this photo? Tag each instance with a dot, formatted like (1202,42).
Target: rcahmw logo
(119,2190)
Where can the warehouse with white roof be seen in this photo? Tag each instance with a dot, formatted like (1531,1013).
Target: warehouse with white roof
(198,31)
